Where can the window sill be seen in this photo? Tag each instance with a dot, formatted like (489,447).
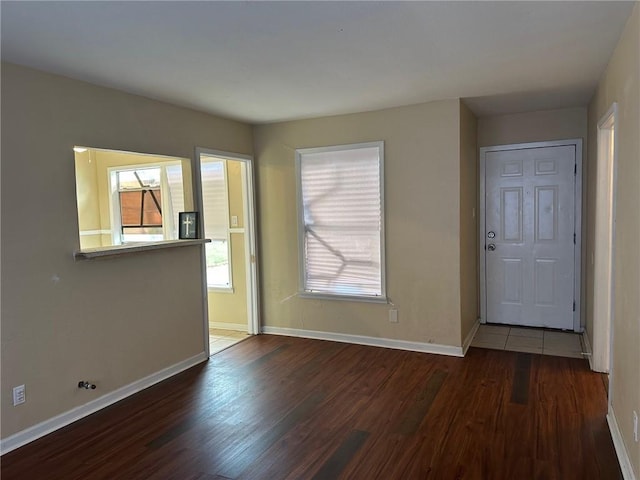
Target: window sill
(118,250)
(213,289)
(348,298)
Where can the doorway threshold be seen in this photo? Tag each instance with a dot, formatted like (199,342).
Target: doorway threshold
(221,339)
(530,340)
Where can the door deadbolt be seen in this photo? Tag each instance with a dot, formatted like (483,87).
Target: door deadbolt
(491,234)
(491,247)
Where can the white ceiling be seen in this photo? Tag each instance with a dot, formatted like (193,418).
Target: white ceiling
(270,61)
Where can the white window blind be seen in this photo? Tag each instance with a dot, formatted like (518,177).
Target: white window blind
(340,190)
(215,212)
(214,199)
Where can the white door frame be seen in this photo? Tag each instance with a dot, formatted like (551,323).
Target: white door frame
(250,242)
(577,143)
(604,238)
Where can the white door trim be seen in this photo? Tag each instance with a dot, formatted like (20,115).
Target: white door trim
(251,255)
(251,262)
(604,238)
(577,143)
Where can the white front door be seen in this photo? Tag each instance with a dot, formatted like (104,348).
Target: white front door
(529,236)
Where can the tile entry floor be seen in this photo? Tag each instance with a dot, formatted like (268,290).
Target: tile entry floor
(219,339)
(529,340)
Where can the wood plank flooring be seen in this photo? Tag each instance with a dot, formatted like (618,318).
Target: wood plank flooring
(287,408)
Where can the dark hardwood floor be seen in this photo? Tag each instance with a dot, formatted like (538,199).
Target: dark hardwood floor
(287,408)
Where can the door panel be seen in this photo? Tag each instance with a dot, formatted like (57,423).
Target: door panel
(512,281)
(511,220)
(530,220)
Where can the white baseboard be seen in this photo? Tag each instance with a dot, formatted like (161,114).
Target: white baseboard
(371,341)
(229,326)
(621,451)
(467,341)
(587,347)
(43,428)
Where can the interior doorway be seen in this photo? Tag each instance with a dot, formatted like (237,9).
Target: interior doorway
(602,258)
(530,214)
(225,199)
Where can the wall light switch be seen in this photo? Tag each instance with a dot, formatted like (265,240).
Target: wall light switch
(234,220)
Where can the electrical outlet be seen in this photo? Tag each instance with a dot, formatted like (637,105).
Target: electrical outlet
(393,315)
(18,395)
(635,426)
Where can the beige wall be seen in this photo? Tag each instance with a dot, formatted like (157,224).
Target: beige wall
(469,299)
(621,83)
(236,195)
(88,199)
(422,196)
(231,307)
(561,124)
(111,321)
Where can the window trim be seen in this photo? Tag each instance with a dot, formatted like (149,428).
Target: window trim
(300,152)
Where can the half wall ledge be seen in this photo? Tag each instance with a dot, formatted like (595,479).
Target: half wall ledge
(118,250)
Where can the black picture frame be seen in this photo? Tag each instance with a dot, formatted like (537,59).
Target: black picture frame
(187,225)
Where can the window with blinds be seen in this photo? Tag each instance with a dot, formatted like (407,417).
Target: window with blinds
(215,203)
(341,221)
